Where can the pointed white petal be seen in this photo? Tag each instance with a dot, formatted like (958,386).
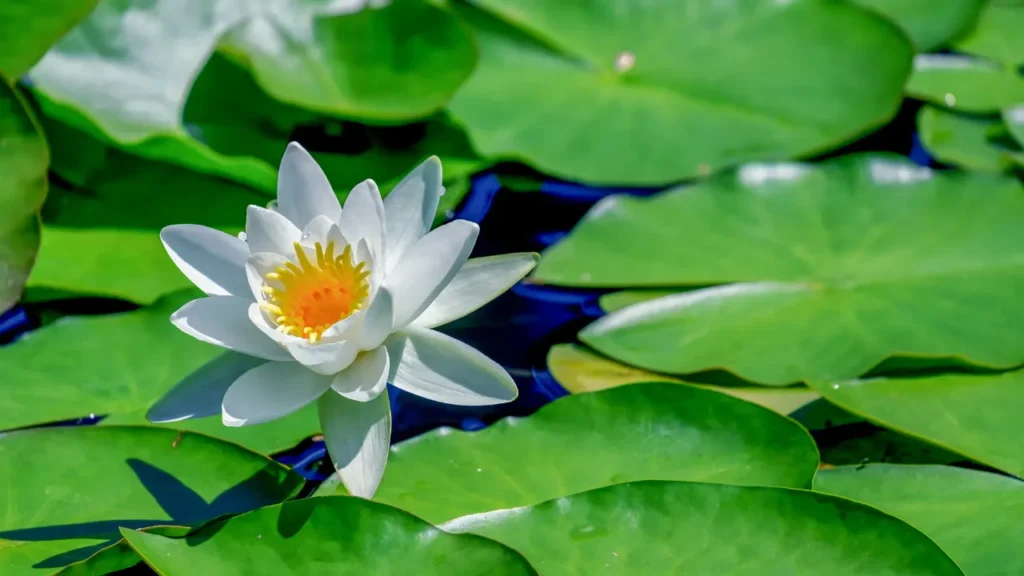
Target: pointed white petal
(271,391)
(358,436)
(327,358)
(363,217)
(366,378)
(212,260)
(201,393)
(303,191)
(317,229)
(477,283)
(378,322)
(409,209)
(269,231)
(428,266)
(224,321)
(440,368)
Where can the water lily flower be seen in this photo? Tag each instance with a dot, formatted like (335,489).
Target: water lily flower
(341,301)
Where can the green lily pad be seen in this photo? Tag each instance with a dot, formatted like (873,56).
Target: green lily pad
(691,528)
(391,64)
(931,24)
(139,93)
(120,363)
(43,557)
(266,438)
(965,83)
(28,29)
(837,266)
(117,556)
(656,431)
(85,482)
(974,516)
(997,34)
(972,142)
(972,415)
(670,90)
(579,370)
(344,536)
(23,163)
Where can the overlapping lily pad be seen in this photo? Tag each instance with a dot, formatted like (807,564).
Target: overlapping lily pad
(835,267)
(126,74)
(341,535)
(974,516)
(79,366)
(27,29)
(973,142)
(965,83)
(973,415)
(398,62)
(580,370)
(78,484)
(997,34)
(23,163)
(692,528)
(931,24)
(669,90)
(660,431)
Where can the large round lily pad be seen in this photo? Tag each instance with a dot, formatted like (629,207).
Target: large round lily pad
(657,431)
(977,416)
(390,64)
(974,516)
(86,482)
(835,267)
(931,24)
(99,365)
(691,528)
(666,90)
(23,162)
(337,535)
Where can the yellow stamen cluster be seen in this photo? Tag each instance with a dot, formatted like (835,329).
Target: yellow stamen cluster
(307,298)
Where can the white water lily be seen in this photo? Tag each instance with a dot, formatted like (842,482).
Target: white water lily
(340,301)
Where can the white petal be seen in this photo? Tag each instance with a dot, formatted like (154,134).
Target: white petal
(358,435)
(269,231)
(303,191)
(366,378)
(212,260)
(224,321)
(477,283)
(409,209)
(428,266)
(201,393)
(271,391)
(327,358)
(257,266)
(317,229)
(378,322)
(440,368)
(363,218)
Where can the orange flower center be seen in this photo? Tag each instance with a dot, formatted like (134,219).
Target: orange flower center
(307,298)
